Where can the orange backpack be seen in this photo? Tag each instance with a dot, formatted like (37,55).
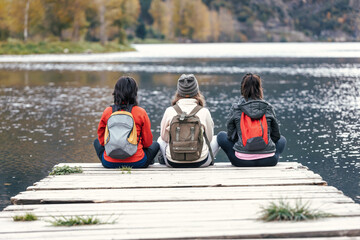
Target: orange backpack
(254,132)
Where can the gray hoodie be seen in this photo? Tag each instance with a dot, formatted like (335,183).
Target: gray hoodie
(254,109)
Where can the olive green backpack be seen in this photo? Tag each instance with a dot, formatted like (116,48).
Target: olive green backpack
(187,136)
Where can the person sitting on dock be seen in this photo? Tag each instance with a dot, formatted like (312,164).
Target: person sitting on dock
(253,135)
(187,128)
(124,132)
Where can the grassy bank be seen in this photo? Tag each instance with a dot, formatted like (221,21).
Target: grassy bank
(151,41)
(18,47)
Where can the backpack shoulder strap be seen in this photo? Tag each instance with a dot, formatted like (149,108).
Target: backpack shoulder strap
(192,113)
(177,109)
(195,110)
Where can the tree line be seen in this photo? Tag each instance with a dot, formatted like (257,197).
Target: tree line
(177,20)
(68,20)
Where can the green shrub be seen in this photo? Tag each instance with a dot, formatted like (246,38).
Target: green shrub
(75,221)
(283,211)
(126,169)
(65,170)
(26,217)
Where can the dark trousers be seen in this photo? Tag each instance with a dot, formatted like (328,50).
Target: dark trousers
(228,145)
(148,158)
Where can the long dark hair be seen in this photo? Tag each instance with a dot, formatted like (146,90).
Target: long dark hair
(251,87)
(125,92)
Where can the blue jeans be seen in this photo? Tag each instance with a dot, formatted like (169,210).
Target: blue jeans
(228,145)
(148,158)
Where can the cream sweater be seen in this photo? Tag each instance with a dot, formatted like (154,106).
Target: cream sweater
(187,105)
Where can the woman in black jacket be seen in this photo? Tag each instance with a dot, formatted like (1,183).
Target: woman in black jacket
(253,136)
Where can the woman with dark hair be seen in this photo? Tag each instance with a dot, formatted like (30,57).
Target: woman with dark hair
(125,108)
(188,100)
(253,136)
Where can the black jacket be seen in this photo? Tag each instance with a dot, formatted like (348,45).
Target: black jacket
(254,109)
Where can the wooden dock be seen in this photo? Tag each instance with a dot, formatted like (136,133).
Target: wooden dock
(163,203)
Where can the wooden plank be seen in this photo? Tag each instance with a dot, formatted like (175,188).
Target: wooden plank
(147,192)
(188,175)
(158,228)
(87,171)
(176,219)
(165,194)
(163,203)
(168,206)
(99,195)
(246,209)
(213,215)
(216,165)
(259,188)
(317,238)
(222,165)
(176,177)
(162,168)
(158,183)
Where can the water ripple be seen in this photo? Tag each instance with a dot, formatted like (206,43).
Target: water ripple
(348,70)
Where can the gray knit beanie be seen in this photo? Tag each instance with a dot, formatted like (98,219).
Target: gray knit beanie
(187,85)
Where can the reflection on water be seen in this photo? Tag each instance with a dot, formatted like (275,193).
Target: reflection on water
(315,69)
(49,117)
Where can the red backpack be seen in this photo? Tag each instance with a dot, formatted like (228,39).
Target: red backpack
(254,132)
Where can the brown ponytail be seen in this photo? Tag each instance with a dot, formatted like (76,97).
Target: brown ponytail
(251,87)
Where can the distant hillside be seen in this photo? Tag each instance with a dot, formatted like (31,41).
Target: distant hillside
(294,20)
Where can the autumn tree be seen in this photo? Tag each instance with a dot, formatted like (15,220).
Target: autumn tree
(123,14)
(58,16)
(201,22)
(77,8)
(25,16)
(189,18)
(97,24)
(158,11)
(4,27)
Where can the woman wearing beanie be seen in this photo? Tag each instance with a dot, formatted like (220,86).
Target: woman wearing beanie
(253,135)
(187,101)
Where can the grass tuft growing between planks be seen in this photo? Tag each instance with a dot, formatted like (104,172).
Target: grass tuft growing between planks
(24,218)
(126,169)
(77,221)
(283,211)
(65,170)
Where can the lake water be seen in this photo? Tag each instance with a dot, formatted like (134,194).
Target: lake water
(51,105)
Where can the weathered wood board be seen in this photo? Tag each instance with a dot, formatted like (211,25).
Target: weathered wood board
(162,203)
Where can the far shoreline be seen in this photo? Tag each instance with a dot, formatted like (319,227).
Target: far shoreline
(16,47)
(160,52)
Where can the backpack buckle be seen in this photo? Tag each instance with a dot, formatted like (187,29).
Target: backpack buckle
(182,116)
